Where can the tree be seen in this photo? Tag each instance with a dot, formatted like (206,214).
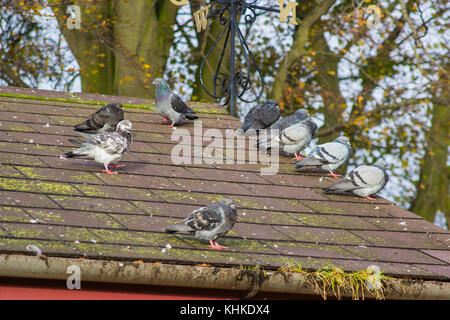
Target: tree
(28,53)
(121,45)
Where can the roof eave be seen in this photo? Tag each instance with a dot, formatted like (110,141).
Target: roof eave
(146,273)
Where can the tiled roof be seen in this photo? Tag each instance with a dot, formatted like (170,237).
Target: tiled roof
(70,208)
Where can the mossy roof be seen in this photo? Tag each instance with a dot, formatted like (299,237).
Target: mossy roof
(70,208)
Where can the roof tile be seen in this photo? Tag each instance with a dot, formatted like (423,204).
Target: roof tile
(70,208)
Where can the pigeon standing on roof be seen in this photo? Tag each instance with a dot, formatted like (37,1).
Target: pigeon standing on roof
(104,119)
(363,181)
(299,115)
(210,222)
(292,137)
(170,105)
(107,147)
(261,116)
(328,156)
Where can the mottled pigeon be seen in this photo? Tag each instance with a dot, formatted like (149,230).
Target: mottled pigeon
(104,119)
(291,138)
(170,105)
(299,115)
(210,222)
(363,181)
(261,116)
(107,147)
(328,156)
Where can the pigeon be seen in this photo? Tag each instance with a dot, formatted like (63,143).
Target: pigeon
(299,115)
(104,119)
(209,223)
(261,116)
(363,181)
(292,137)
(106,147)
(328,156)
(171,106)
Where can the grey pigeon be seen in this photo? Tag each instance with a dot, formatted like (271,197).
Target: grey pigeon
(104,119)
(261,116)
(363,181)
(210,222)
(292,137)
(299,115)
(170,105)
(328,156)
(107,147)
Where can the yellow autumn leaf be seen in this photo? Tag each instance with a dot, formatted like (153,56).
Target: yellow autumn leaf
(332,73)
(360,99)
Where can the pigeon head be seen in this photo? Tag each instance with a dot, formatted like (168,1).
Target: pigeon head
(302,114)
(161,86)
(115,104)
(381,163)
(272,102)
(124,125)
(227,202)
(342,139)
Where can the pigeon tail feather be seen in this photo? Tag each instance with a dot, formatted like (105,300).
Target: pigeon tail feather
(179,228)
(307,162)
(341,186)
(191,116)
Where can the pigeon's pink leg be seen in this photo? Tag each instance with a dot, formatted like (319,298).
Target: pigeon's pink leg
(117,165)
(370,198)
(109,171)
(215,245)
(298,157)
(333,174)
(165,120)
(171,126)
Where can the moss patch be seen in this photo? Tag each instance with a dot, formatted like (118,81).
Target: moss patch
(35,186)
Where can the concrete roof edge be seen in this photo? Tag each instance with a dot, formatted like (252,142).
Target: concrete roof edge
(204,277)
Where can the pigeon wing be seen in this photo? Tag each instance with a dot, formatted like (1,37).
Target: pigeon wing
(179,105)
(293,134)
(368,176)
(205,219)
(330,152)
(96,121)
(249,120)
(110,142)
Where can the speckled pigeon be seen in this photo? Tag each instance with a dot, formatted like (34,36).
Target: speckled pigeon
(170,105)
(210,222)
(292,137)
(299,115)
(107,147)
(328,156)
(261,116)
(363,181)
(104,119)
